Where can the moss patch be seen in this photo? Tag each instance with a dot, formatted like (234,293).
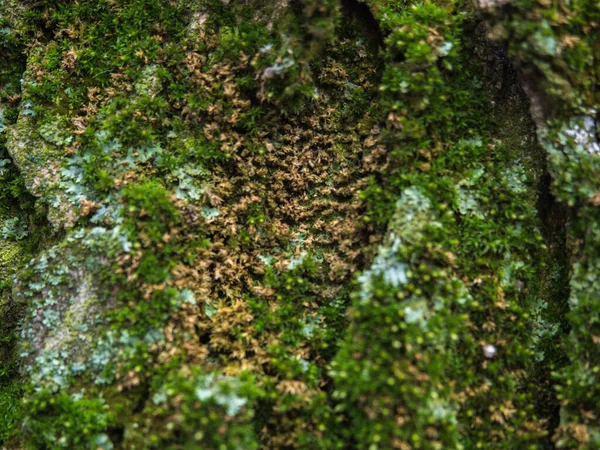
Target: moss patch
(295,225)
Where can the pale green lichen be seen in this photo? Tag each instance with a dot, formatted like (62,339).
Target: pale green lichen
(39,162)
(66,306)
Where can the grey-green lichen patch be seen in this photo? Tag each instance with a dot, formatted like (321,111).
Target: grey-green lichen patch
(223,390)
(13,228)
(66,305)
(386,266)
(149,82)
(217,412)
(412,214)
(467,192)
(516,178)
(39,161)
(34,157)
(546,329)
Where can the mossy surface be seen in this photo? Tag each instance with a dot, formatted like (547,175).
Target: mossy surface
(309,224)
(558,52)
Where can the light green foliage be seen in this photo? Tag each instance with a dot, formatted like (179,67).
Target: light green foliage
(9,258)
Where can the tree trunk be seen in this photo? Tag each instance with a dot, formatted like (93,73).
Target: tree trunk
(311,224)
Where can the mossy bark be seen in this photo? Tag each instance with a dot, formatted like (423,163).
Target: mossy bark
(299,224)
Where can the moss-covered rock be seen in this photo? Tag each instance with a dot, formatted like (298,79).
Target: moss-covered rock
(557,48)
(427,362)
(310,224)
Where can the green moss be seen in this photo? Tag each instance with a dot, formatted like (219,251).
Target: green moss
(558,50)
(427,362)
(231,177)
(65,421)
(214,411)
(10,257)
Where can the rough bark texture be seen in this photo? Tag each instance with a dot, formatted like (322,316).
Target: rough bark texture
(299,224)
